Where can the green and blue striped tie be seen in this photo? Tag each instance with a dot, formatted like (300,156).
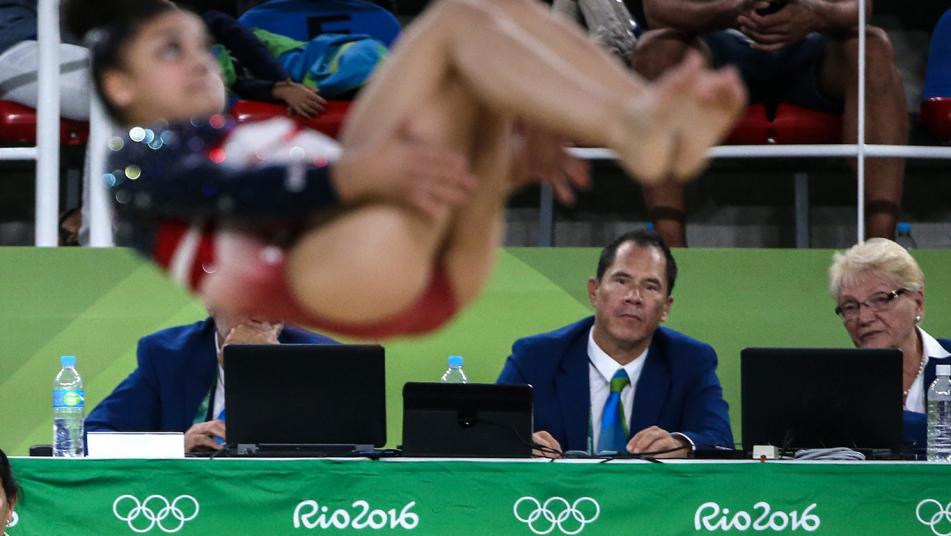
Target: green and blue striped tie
(613,424)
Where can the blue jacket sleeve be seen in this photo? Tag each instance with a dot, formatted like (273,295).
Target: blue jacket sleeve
(262,68)
(134,406)
(245,47)
(915,429)
(171,174)
(706,419)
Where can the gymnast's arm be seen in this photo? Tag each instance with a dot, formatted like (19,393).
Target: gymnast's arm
(181,172)
(188,174)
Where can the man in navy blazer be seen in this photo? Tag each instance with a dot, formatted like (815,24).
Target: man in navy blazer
(672,400)
(178,385)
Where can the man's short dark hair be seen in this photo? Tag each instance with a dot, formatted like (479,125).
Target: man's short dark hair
(642,238)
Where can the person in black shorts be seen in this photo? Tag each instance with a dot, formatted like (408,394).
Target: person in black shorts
(801,52)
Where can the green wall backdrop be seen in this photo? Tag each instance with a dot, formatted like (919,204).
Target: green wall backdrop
(96,303)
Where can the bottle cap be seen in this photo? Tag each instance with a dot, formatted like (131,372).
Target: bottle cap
(455,361)
(943,370)
(67,361)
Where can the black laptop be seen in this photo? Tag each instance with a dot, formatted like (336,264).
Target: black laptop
(467,420)
(304,399)
(821,398)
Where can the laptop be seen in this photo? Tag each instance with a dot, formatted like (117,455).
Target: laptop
(467,420)
(821,398)
(305,399)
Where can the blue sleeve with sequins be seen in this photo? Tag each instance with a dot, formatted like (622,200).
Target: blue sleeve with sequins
(171,173)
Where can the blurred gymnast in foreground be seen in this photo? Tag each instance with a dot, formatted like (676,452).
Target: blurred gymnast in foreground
(394,230)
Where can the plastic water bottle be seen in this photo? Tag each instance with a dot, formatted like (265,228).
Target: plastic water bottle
(904,237)
(939,416)
(68,408)
(454,373)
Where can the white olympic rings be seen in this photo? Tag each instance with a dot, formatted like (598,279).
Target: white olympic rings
(544,514)
(155,516)
(942,512)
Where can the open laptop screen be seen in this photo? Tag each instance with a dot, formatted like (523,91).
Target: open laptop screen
(305,394)
(472,420)
(812,398)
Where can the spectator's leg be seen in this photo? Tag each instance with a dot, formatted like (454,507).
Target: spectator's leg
(655,53)
(667,211)
(19,82)
(886,120)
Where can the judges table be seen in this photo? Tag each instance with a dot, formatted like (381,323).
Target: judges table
(273,497)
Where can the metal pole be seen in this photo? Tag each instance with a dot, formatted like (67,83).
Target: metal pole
(546,217)
(801,207)
(860,141)
(100,216)
(47,125)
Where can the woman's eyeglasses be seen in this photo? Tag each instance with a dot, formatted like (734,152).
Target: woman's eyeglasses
(878,302)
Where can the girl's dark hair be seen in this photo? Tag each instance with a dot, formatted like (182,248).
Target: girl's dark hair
(106,26)
(10,487)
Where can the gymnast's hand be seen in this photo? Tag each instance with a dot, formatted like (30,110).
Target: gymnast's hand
(541,156)
(300,99)
(427,177)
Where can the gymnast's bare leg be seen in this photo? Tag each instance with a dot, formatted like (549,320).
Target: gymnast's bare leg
(459,77)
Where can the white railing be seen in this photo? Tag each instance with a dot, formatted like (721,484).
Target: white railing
(47,126)
(100,214)
(796,151)
(46,152)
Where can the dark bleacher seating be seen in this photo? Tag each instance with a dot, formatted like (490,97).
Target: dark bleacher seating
(18,127)
(329,122)
(935,111)
(790,124)
(935,115)
(18,122)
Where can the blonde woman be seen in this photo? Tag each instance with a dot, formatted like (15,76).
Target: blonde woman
(879,291)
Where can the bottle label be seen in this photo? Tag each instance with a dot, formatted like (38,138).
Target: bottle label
(68,398)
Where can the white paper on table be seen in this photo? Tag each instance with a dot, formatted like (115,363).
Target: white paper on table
(135,444)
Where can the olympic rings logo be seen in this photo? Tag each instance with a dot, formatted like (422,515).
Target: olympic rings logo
(557,512)
(940,513)
(155,510)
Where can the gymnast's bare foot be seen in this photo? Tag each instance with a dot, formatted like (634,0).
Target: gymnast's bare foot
(651,123)
(717,99)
